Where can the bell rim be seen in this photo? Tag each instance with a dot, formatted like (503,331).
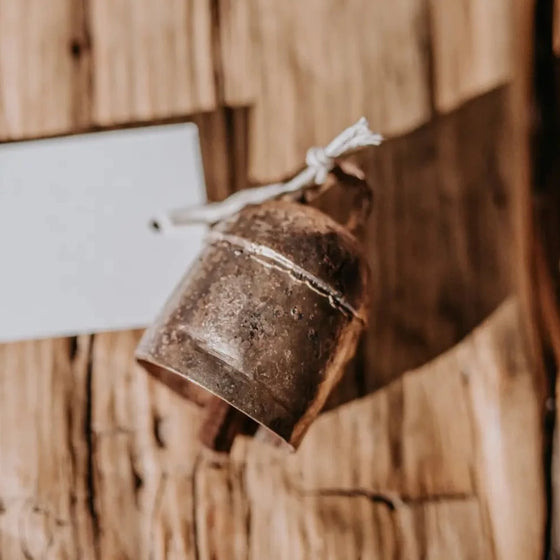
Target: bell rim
(145,361)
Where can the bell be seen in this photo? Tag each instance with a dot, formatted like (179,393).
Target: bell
(268,316)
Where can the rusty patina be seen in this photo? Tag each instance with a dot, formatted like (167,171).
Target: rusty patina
(266,318)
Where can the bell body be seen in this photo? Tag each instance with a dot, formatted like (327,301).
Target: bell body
(267,317)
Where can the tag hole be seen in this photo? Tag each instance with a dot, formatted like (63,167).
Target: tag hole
(154,224)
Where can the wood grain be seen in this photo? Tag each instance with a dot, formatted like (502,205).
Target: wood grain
(151,59)
(36,70)
(94,62)
(44,491)
(294,63)
(385,476)
(303,65)
(433,484)
(99,461)
(144,448)
(148,492)
(237,36)
(471,48)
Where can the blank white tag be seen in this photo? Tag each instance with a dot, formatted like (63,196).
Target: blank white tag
(76,252)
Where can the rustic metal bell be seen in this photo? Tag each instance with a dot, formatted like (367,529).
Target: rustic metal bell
(267,317)
(271,312)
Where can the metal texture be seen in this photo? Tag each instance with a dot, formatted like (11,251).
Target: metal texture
(267,318)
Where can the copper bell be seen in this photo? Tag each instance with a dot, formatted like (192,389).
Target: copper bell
(266,318)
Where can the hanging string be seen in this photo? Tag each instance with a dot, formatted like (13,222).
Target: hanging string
(320,161)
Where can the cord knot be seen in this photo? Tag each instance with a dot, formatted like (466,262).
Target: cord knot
(318,160)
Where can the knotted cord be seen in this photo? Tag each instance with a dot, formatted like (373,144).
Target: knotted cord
(320,161)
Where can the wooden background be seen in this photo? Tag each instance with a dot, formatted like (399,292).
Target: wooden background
(443,461)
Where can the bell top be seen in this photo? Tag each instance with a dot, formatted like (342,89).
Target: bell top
(308,244)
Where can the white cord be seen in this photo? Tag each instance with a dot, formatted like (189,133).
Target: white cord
(320,161)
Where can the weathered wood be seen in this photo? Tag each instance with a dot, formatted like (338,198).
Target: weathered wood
(271,55)
(237,44)
(396,479)
(36,70)
(385,476)
(306,72)
(45,491)
(151,59)
(81,63)
(143,453)
(99,461)
(471,48)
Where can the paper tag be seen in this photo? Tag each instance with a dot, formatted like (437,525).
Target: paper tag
(76,251)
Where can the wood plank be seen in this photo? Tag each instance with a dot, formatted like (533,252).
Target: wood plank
(36,68)
(237,52)
(499,372)
(152,59)
(403,442)
(44,491)
(158,61)
(222,508)
(471,48)
(304,65)
(143,457)
(386,475)
(108,464)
